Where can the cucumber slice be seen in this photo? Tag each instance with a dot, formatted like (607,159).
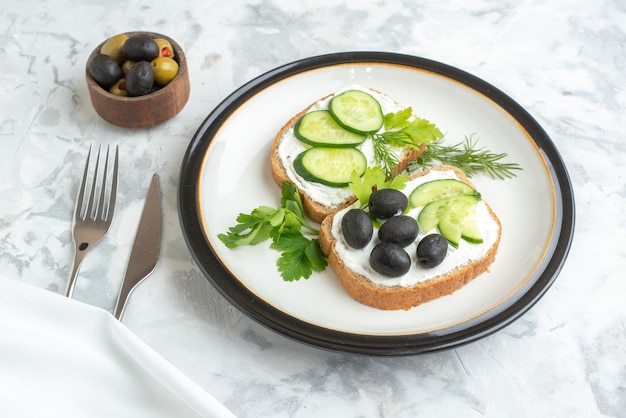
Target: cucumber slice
(471,230)
(330,166)
(318,128)
(460,222)
(357,111)
(454,216)
(451,231)
(438,189)
(429,216)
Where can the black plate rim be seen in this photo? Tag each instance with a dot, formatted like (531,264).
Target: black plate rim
(265,314)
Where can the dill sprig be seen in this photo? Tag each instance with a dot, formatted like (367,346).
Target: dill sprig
(466,156)
(384,155)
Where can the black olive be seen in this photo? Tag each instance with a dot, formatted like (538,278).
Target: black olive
(357,228)
(401,230)
(431,250)
(390,259)
(140,48)
(104,70)
(385,203)
(139,79)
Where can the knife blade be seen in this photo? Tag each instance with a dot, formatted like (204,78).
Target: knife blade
(145,251)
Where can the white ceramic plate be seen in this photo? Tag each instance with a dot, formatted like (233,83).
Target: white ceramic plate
(226,171)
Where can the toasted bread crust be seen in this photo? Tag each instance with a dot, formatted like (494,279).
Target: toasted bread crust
(398,297)
(315,210)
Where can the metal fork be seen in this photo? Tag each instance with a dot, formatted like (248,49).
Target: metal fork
(95,207)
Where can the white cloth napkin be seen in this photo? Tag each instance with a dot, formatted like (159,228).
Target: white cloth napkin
(63,358)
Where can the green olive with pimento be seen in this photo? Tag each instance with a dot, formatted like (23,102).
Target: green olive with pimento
(165,48)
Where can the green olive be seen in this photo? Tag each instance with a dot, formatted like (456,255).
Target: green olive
(119,88)
(140,79)
(104,70)
(126,66)
(165,48)
(113,47)
(165,69)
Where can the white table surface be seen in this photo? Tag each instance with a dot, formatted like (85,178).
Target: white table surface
(562,60)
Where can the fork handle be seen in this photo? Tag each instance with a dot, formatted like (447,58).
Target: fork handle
(69,287)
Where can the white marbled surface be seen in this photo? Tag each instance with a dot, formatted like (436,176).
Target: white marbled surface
(563,60)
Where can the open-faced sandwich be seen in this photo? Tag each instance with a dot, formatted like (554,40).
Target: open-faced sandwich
(394,239)
(320,147)
(406,247)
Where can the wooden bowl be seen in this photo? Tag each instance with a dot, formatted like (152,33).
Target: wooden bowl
(142,111)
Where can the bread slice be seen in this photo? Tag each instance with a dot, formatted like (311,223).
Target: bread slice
(394,297)
(315,208)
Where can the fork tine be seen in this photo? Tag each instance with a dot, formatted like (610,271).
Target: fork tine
(101,207)
(92,204)
(108,194)
(79,208)
(113,193)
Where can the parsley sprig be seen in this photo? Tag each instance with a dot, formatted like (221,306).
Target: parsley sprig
(467,156)
(300,255)
(400,132)
(374,179)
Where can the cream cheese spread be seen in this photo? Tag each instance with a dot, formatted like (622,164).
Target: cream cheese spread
(290,147)
(358,260)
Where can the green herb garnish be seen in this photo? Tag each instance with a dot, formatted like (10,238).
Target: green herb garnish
(401,133)
(374,179)
(466,156)
(300,255)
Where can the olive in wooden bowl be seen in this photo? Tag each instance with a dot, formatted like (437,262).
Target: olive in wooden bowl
(149,89)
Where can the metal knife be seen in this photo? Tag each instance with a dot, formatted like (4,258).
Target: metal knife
(145,251)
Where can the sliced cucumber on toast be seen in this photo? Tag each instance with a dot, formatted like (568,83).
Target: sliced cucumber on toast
(357,111)
(450,206)
(438,189)
(330,166)
(454,216)
(319,128)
